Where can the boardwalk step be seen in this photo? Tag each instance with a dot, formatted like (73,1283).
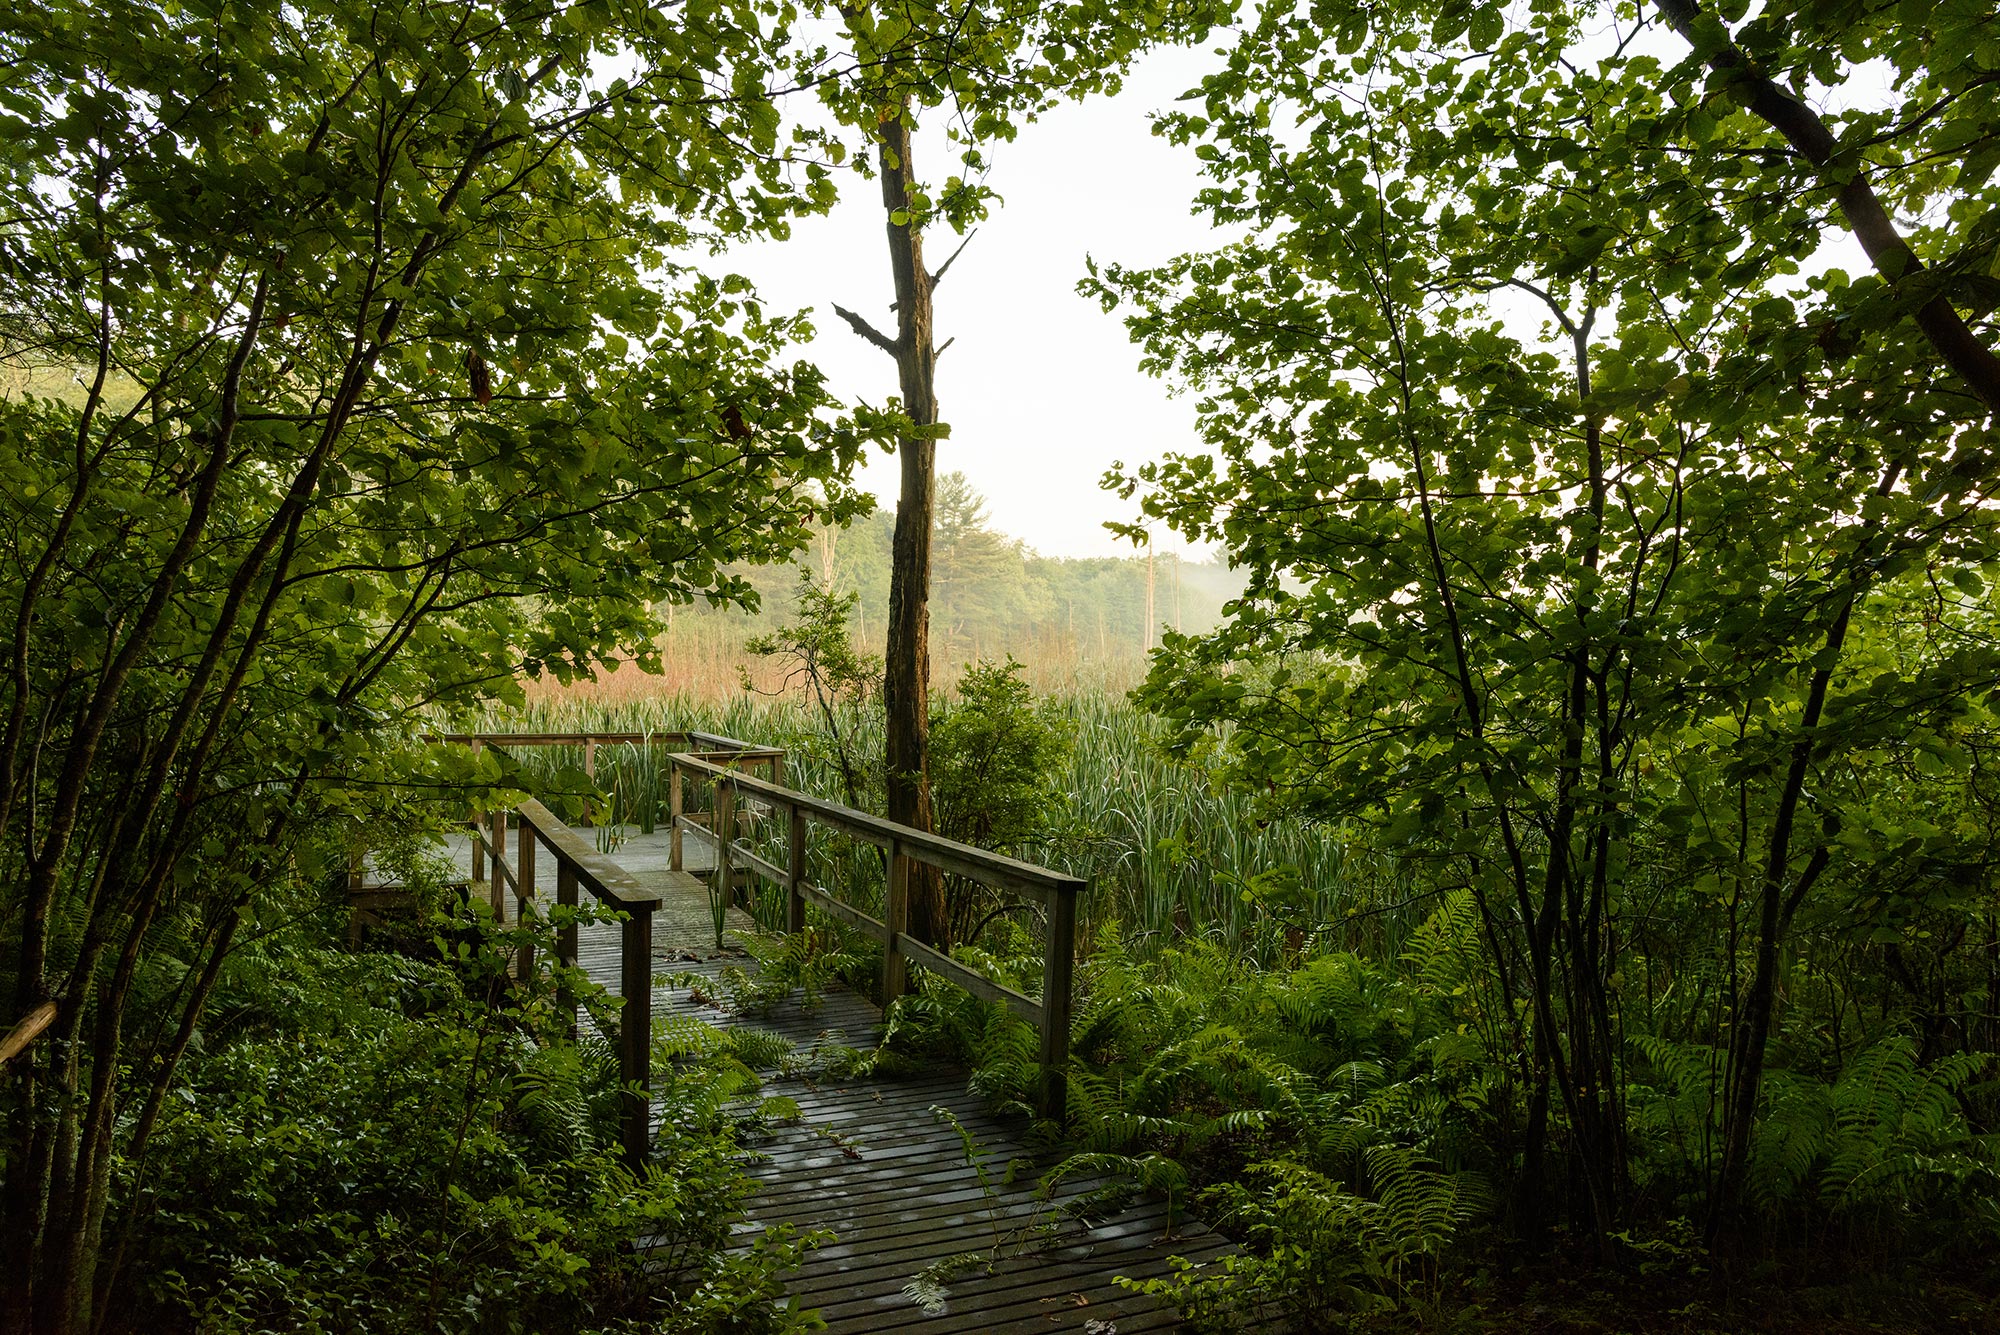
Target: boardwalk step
(870,1161)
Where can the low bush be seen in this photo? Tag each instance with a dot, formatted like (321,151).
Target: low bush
(375,1143)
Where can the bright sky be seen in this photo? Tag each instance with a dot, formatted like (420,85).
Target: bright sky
(1042,389)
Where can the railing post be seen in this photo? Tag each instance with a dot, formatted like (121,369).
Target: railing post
(590,758)
(896,913)
(724,826)
(566,896)
(566,934)
(498,890)
(674,813)
(1058,970)
(478,850)
(524,888)
(635,1034)
(795,873)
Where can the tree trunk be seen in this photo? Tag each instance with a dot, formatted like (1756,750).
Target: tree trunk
(907,664)
(1779,897)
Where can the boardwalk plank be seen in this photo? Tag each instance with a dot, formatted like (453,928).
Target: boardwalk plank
(895,1266)
(905,1198)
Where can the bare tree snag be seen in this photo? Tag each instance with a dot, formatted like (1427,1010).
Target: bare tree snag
(907,667)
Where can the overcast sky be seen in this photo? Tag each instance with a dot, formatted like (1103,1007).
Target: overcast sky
(1041,388)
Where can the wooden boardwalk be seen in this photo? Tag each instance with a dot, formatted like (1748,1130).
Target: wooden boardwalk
(876,1163)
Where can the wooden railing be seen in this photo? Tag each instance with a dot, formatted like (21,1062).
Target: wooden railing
(906,848)
(709,745)
(724,763)
(577,863)
(768,758)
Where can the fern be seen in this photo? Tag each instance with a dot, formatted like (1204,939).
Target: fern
(1118,1130)
(1445,947)
(1673,1101)
(1318,1247)
(1886,1131)
(681,1037)
(1798,1126)
(759,1048)
(793,969)
(1898,1126)
(552,1103)
(929,1288)
(1421,1209)
(1148,1172)
(779,1108)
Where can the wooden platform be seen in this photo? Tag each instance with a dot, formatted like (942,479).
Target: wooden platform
(883,1166)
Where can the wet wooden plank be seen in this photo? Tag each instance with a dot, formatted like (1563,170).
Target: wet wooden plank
(872,1162)
(883,1256)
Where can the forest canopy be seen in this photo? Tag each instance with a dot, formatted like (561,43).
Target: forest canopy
(1666,632)
(1566,805)
(391,385)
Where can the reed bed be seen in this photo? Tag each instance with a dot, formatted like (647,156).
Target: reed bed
(1170,849)
(703,658)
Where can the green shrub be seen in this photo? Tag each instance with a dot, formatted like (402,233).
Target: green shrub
(364,1146)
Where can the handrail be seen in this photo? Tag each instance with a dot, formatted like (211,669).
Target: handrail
(595,872)
(26,1031)
(721,762)
(579,864)
(1057,892)
(772,758)
(717,742)
(982,865)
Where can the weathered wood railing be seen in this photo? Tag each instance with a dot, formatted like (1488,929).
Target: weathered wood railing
(577,863)
(708,745)
(906,848)
(770,759)
(723,762)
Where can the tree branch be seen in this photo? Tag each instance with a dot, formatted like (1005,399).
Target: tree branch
(938,277)
(1842,171)
(866,330)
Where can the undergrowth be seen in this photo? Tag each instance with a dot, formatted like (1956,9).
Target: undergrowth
(1303,1037)
(373,1142)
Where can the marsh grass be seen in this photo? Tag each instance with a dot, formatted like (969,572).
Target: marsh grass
(1172,850)
(704,659)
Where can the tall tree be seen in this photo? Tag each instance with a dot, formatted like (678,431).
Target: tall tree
(1930,153)
(1521,595)
(386,392)
(989,66)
